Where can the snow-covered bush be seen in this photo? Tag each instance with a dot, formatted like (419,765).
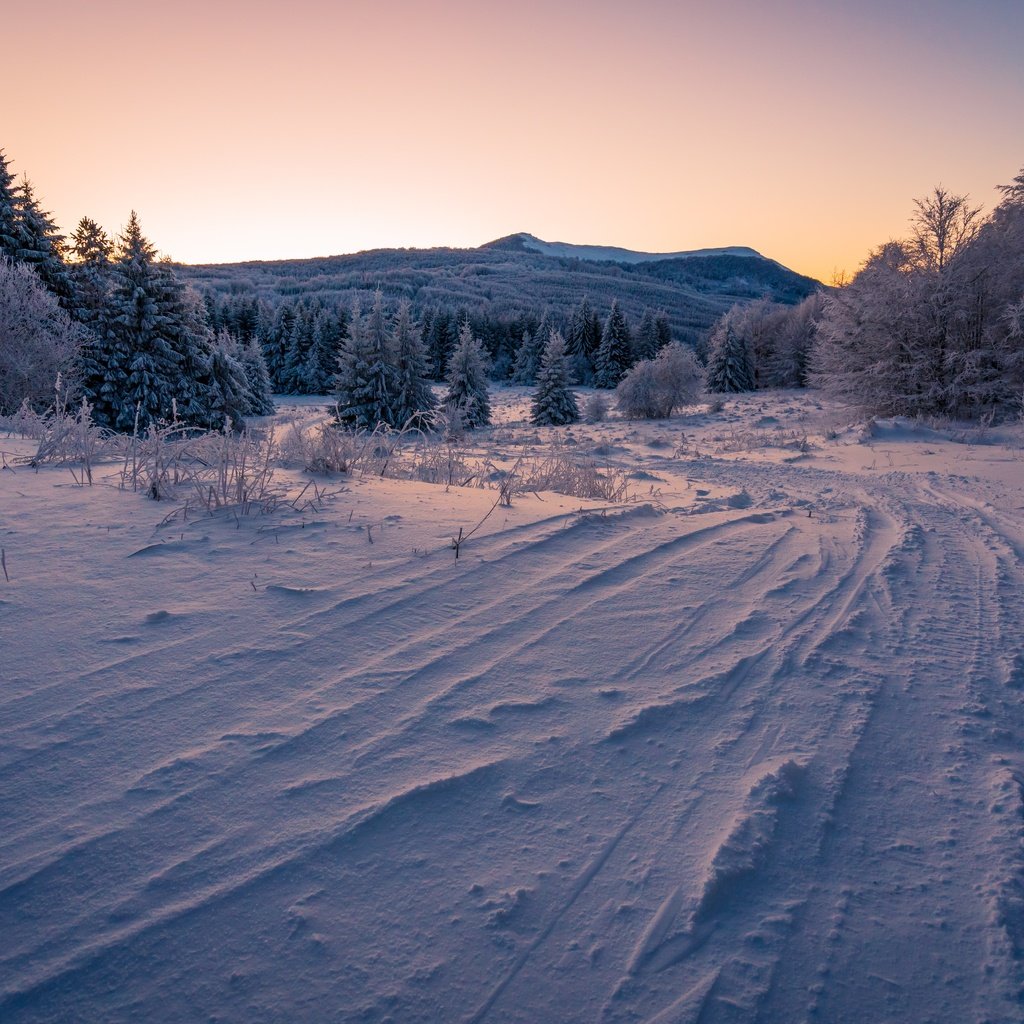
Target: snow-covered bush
(654,388)
(595,409)
(37,339)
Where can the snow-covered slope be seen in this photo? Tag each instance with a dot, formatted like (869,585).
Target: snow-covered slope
(613,254)
(747,748)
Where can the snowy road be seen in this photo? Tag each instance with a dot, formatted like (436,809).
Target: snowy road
(643,765)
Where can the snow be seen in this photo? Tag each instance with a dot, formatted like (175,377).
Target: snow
(613,254)
(749,746)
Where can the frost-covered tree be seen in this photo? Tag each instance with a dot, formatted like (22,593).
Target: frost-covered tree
(528,359)
(366,378)
(553,403)
(467,396)
(414,402)
(138,369)
(90,255)
(615,353)
(257,379)
(655,388)
(8,211)
(38,340)
(230,398)
(645,340)
(41,245)
(730,359)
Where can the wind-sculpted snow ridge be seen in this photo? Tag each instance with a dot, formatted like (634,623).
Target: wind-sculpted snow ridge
(688,760)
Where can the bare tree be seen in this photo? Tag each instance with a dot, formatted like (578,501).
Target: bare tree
(943,226)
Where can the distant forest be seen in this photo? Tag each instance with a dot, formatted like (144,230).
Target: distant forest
(933,323)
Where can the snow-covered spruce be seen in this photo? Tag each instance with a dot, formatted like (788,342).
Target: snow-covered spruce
(553,403)
(468,397)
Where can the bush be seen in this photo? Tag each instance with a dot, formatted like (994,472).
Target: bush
(654,388)
(37,340)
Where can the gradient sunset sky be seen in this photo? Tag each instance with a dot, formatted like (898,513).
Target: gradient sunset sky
(262,130)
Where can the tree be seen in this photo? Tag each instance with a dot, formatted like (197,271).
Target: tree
(614,355)
(366,379)
(40,245)
(38,340)
(91,252)
(467,396)
(414,401)
(553,403)
(529,357)
(257,379)
(943,226)
(645,341)
(655,388)
(230,398)
(8,211)
(730,359)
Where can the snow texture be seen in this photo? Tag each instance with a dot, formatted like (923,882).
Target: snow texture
(749,747)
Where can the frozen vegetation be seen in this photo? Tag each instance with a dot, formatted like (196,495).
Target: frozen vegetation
(739,739)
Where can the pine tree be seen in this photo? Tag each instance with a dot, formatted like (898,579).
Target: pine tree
(467,395)
(662,330)
(730,360)
(230,399)
(8,211)
(440,343)
(645,341)
(91,251)
(414,401)
(553,403)
(366,379)
(614,356)
(275,344)
(257,379)
(528,360)
(41,245)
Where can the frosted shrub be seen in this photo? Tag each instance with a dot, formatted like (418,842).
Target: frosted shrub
(595,409)
(654,388)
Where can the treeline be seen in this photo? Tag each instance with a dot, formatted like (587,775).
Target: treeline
(933,323)
(115,322)
(303,339)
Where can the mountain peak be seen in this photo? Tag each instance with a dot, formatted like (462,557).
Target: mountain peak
(523,241)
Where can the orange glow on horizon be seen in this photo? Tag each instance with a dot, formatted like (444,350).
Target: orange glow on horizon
(265,130)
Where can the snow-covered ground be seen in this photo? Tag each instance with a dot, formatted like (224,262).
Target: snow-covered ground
(749,747)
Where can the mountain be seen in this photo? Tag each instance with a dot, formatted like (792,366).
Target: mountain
(522,273)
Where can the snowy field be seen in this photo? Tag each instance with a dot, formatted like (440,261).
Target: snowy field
(747,747)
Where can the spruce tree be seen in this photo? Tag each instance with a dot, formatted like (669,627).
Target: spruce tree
(614,356)
(645,341)
(663,330)
(414,401)
(366,379)
(257,379)
(553,403)
(8,211)
(730,360)
(230,399)
(41,245)
(467,395)
(529,358)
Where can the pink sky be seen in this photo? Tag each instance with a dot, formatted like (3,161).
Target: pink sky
(263,130)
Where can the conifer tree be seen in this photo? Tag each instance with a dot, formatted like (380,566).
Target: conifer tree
(257,379)
(366,379)
(553,403)
(662,330)
(41,245)
(528,360)
(230,399)
(8,211)
(730,360)
(414,401)
(90,251)
(645,341)
(614,356)
(467,395)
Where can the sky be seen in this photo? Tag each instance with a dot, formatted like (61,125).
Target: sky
(270,130)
